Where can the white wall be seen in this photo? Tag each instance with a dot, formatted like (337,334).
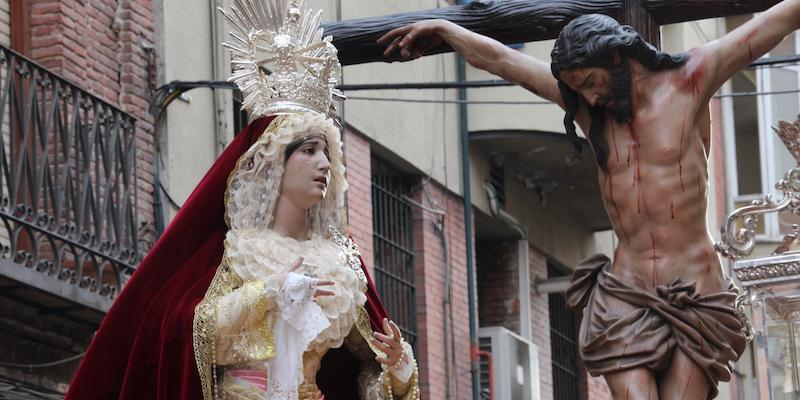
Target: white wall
(189,140)
(548,118)
(5,24)
(425,135)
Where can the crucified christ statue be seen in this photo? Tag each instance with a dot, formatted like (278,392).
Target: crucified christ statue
(659,320)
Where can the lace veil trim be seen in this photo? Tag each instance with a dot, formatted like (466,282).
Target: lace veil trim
(254,185)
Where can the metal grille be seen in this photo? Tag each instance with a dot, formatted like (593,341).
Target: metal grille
(564,350)
(67,184)
(497,180)
(484,344)
(394,255)
(14,390)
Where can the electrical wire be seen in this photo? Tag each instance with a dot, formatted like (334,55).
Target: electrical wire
(172,201)
(768,93)
(43,365)
(166,94)
(501,102)
(519,103)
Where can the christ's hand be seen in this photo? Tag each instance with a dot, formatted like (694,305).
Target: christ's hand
(413,40)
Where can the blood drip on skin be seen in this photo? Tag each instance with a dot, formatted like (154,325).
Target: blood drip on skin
(694,80)
(689,378)
(614,139)
(672,209)
(629,156)
(616,209)
(680,152)
(639,192)
(746,42)
(699,185)
(655,272)
(640,201)
(637,174)
(693,76)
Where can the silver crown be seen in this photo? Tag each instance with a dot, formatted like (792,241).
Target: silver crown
(279,59)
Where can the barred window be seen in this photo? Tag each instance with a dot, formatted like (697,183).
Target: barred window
(393,235)
(563,344)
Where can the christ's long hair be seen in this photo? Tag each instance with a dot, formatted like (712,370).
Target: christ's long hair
(592,41)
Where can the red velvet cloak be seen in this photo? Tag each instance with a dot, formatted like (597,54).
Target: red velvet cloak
(143,348)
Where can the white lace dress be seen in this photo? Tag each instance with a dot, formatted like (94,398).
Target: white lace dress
(299,324)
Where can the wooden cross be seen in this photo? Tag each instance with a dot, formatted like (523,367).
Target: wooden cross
(520,21)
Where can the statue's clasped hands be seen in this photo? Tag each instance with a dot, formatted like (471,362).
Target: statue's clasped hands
(313,283)
(390,341)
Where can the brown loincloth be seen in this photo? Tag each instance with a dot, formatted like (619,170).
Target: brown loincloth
(706,328)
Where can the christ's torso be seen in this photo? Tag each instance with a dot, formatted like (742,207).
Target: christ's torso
(656,186)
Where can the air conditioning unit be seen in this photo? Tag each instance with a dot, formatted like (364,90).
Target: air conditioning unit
(515,364)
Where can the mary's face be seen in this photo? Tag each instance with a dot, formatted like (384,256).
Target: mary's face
(307,173)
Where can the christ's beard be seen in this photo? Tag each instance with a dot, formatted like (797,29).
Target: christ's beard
(620,108)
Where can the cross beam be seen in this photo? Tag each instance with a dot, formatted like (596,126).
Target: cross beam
(520,21)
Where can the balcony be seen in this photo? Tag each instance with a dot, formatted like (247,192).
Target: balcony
(68,238)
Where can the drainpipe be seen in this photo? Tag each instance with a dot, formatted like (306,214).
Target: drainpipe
(468,231)
(502,215)
(523,261)
(217,66)
(447,306)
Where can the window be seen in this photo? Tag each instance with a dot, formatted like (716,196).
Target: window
(760,158)
(563,347)
(393,233)
(497,175)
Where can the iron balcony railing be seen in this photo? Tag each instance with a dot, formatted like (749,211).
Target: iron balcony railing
(68,186)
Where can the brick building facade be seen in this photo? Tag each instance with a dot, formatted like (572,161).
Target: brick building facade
(107,48)
(103,50)
(442,348)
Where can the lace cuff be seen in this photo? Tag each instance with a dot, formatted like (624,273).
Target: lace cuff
(404,368)
(401,381)
(296,293)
